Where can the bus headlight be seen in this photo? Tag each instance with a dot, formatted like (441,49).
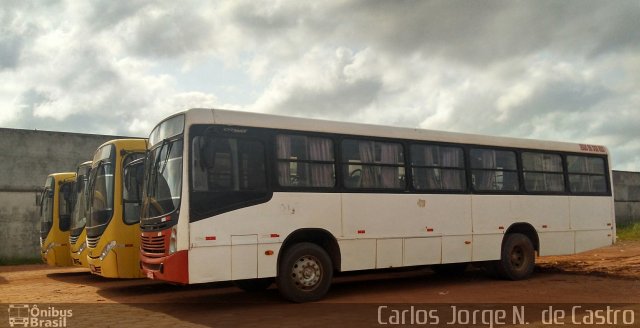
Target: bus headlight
(82,247)
(107,249)
(172,241)
(50,247)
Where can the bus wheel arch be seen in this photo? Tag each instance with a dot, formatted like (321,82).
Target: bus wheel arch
(527,230)
(517,253)
(320,237)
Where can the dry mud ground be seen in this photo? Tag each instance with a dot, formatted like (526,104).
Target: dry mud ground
(603,279)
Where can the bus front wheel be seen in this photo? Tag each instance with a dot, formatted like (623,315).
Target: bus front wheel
(517,257)
(304,273)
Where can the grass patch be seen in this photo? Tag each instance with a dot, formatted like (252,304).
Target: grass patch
(630,232)
(20,261)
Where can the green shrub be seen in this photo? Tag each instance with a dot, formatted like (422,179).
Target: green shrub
(629,232)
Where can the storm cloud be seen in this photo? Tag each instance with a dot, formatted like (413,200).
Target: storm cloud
(555,70)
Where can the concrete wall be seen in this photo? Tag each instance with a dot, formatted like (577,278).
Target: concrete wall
(627,196)
(26,158)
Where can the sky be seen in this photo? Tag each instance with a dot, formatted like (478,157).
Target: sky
(554,70)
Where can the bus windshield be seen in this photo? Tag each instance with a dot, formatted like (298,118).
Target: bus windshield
(46,209)
(79,214)
(163,181)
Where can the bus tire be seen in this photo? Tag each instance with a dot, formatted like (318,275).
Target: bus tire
(517,258)
(304,273)
(254,285)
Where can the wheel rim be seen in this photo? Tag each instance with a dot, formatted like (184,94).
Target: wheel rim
(306,273)
(518,257)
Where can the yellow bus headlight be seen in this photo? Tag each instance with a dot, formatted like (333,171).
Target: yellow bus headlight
(107,249)
(82,247)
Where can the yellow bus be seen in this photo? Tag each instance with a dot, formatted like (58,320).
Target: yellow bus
(113,233)
(55,213)
(77,232)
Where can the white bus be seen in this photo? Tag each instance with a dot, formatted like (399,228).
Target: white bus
(255,198)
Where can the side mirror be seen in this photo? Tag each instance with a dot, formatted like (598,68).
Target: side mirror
(39,196)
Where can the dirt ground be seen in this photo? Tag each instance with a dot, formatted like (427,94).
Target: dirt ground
(604,277)
(620,261)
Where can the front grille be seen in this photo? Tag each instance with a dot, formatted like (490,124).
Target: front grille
(77,262)
(154,246)
(156,226)
(97,270)
(73,240)
(92,242)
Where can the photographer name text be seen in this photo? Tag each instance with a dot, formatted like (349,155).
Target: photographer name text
(515,315)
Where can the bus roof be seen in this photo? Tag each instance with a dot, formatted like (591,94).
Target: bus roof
(62,175)
(249,119)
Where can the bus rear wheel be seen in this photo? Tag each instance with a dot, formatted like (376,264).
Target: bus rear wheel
(517,257)
(304,273)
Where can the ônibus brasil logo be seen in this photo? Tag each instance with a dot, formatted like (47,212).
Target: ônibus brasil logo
(23,315)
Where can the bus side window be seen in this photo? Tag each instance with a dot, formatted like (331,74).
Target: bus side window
(542,172)
(228,164)
(198,170)
(494,170)
(305,161)
(216,163)
(587,174)
(438,167)
(381,164)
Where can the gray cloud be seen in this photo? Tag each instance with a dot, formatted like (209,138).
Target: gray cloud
(484,32)
(103,15)
(563,70)
(169,32)
(10,49)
